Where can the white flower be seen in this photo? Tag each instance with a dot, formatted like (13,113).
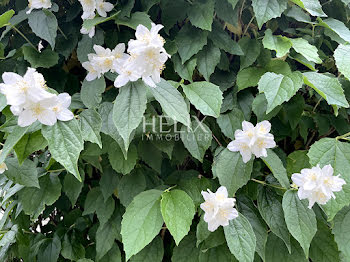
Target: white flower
(119,57)
(153,60)
(38,4)
(146,38)
(18,89)
(38,110)
(30,100)
(90,32)
(103,59)
(218,208)
(3,166)
(317,185)
(127,72)
(103,7)
(92,72)
(61,107)
(252,140)
(89,7)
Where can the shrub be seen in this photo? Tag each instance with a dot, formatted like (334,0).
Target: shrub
(188,130)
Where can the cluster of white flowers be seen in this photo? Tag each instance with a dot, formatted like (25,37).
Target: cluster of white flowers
(219,208)
(252,140)
(38,4)
(30,100)
(145,59)
(89,8)
(104,60)
(317,185)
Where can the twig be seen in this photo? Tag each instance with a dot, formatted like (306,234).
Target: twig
(21,34)
(216,140)
(265,184)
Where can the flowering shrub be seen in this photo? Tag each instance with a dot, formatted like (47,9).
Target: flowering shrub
(162,130)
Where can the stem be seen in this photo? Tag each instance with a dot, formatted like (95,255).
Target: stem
(217,140)
(56,170)
(246,29)
(344,137)
(265,184)
(318,102)
(168,189)
(21,34)
(59,29)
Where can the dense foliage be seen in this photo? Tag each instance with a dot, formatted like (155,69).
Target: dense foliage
(123,179)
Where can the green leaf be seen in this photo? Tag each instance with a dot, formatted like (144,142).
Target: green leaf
(178,211)
(280,44)
(249,76)
(141,222)
(194,186)
(34,199)
(90,123)
(232,172)
(312,6)
(106,235)
(91,23)
(44,24)
(171,101)
(300,220)
(341,232)
(136,19)
(296,161)
(130,186)
(268,9)
(323,247)
(109,182)
(185,71)
(251,49)
(186,251)
(275,164)
(113,255)
(197,140)
(128,110)
(220,253)
(72,188)
(249,210)
(230,122)
(222,39)
(337,154)
(241,239)
(336,26)
(327,87)
(46,59)
(72,249)
(276,251)
(91,92)
(92,201)
(65,144)
(190,41)
(85,45)
(303,47)
(279,88)
(201,14)
(205,96)
(117,160)
(50,250)
(5,17)
(25,175)
(207,59)
(271,211)
(153,252)
(108,127)
(11,141)
(28,144)
(342,59)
